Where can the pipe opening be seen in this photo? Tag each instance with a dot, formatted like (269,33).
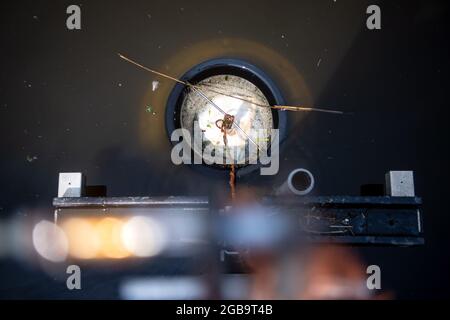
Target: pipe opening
(301,181)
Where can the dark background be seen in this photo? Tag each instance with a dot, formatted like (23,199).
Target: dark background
(67,103)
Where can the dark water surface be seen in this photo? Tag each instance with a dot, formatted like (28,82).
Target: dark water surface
(68,103)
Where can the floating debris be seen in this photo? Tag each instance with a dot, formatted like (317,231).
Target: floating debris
(318,62)
(155,85)
(31,158)
(149,109)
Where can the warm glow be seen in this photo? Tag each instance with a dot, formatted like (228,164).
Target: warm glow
(110,230)
(113,238)
(84,241)
(143,236)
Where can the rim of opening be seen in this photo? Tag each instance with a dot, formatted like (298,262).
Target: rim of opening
(224,66)
(306,182)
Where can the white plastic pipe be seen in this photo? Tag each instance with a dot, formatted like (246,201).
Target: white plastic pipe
(299,182)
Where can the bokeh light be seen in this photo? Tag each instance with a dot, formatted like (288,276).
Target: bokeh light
(50,241)
(84,242)
(143,236)
(110,232)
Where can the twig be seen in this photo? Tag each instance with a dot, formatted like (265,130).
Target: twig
(288,108)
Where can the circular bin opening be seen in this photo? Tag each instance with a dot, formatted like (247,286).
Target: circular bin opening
(252,93)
